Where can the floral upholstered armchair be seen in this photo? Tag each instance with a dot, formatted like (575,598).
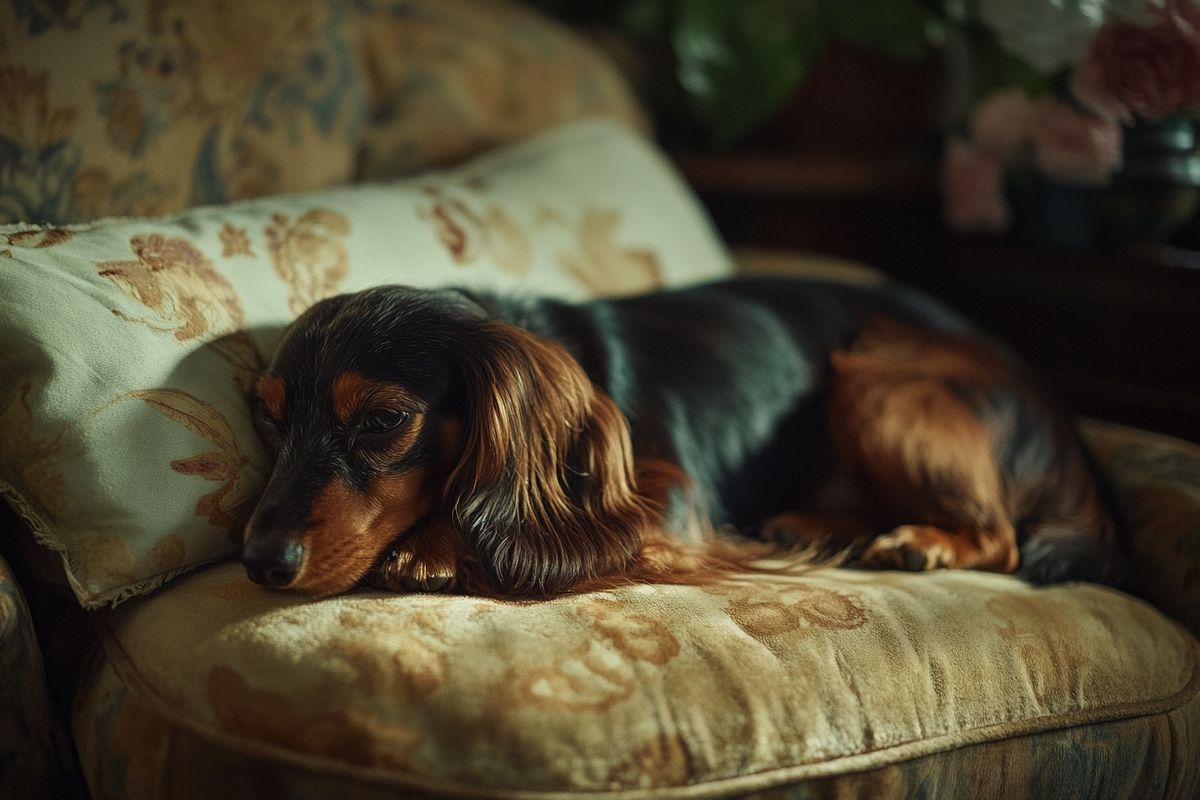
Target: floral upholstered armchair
(466,142)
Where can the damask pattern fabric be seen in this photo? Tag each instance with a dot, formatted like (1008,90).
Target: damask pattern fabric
(745,686)
(125,436)
(141,107)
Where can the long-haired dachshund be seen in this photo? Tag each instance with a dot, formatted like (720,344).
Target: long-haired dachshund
(453,439)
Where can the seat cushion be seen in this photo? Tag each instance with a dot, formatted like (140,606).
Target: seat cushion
(838,678)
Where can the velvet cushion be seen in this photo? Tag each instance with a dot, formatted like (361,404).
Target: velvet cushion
(745,686)
(140,107)
(125,436)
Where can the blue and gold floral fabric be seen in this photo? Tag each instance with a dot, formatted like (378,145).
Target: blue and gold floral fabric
(141,107)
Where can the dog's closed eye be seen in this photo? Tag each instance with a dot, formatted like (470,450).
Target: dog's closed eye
(268,408)
(382,420)
(383,430)
(266,425)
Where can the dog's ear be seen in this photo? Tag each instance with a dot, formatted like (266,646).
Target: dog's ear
(545,491)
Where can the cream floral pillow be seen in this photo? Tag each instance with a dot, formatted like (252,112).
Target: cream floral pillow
(125,438)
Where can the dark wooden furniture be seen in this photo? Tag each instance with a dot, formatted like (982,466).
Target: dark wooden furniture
(1118,333)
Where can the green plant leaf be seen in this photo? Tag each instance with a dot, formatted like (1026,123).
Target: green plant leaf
(898,28)
(738,62)
(996,69)
(643,18)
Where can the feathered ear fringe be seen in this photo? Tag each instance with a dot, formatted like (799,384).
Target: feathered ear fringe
(666,560)
(545,492)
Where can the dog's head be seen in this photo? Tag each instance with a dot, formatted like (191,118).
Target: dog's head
(396,411)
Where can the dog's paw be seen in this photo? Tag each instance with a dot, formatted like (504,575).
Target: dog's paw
(820,535)
(794,530)
(916,548)
(402,570)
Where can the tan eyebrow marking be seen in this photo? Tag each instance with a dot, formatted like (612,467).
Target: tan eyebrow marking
(352,392)
(270,390)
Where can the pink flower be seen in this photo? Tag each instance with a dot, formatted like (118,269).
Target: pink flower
(1003,123)
(973,190)
(1150,71)
(1087,84)
(1075,147)
(1185,14)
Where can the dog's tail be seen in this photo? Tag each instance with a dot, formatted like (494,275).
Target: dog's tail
(1052,554)
(1093,547)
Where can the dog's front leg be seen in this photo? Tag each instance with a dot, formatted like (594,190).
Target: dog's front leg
(424,560)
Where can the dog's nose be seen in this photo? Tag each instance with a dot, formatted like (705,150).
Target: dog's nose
(273,563)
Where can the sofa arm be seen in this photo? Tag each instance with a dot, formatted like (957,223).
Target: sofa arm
(1156,480)
(760,262)
(35,757)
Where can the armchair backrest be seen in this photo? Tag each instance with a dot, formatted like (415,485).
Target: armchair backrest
(150,106)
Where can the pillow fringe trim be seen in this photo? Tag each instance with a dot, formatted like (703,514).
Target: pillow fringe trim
(43,534)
